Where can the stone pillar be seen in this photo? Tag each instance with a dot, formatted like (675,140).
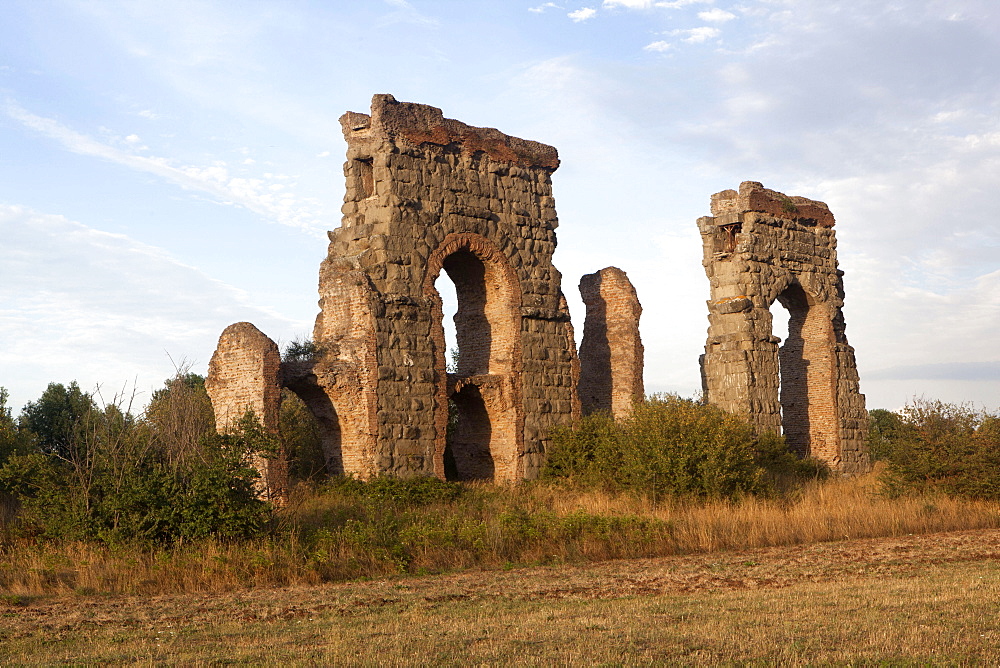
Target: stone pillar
(761,246)
(245,375)
(611,353)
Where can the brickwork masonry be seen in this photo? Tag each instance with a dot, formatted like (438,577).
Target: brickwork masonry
(761,246)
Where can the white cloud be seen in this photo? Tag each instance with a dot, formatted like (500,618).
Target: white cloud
(215,180)
(697,35)
(77,303)
(582,14)
(716,15)
(542,7)
(659,46)
(628,4)
(678,4)
(150,114)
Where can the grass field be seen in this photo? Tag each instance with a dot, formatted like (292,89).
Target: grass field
(893,601)
(333,537)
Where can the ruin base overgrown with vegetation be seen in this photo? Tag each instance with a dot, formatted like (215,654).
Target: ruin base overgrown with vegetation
(97,500)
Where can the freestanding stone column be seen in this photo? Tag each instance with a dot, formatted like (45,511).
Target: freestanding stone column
(761,246)
(611,353)
(245,375)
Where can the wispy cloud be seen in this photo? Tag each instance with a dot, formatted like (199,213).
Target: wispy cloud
(582,14)
(407,13)
(78,303)
(658,46)
(716,15)
(542,7)
(254,194)
(650,4)
(697,35)
(628,4)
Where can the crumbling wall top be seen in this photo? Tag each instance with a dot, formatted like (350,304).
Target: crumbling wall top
(423,124)
(753,196)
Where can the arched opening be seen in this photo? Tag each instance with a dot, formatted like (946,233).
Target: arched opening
(325,426)
(806,379)
(483,331)
(482,426)
(302,439)
(467,453)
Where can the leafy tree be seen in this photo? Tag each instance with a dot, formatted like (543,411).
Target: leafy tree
(300,435)
(160,478)
(13,441)
(944,447)
(884,428)
(56,418)
(301,350)
(180,416)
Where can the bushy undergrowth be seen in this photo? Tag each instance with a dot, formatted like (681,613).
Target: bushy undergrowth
(940,447)
(671,446)
(348,528)
(354,530)
(80,471)
(177,501)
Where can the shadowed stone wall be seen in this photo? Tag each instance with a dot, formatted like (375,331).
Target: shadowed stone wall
(611,353)
(761,246)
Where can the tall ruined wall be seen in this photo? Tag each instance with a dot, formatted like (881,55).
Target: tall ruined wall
(428,195)
(245,374)
(761,246)
(611,353)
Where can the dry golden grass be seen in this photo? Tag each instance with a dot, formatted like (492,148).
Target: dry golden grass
(487,528)
(900,601)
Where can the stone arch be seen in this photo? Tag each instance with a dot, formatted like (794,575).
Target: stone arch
(761,246)
(323,410)
(422,192)
(486,439)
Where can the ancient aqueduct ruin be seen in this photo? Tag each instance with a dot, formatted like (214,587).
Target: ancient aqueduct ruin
(428,194)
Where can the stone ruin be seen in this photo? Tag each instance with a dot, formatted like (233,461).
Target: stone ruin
(428,194)
(611,351)
(761,246)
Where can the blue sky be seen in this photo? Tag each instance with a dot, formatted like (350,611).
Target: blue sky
(167,169)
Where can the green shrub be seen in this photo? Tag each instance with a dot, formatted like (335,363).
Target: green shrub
(116,478)
(301,350)
(672,446)
(884,428)
(943,447)
(398,492)
(13,441)
(300,437)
